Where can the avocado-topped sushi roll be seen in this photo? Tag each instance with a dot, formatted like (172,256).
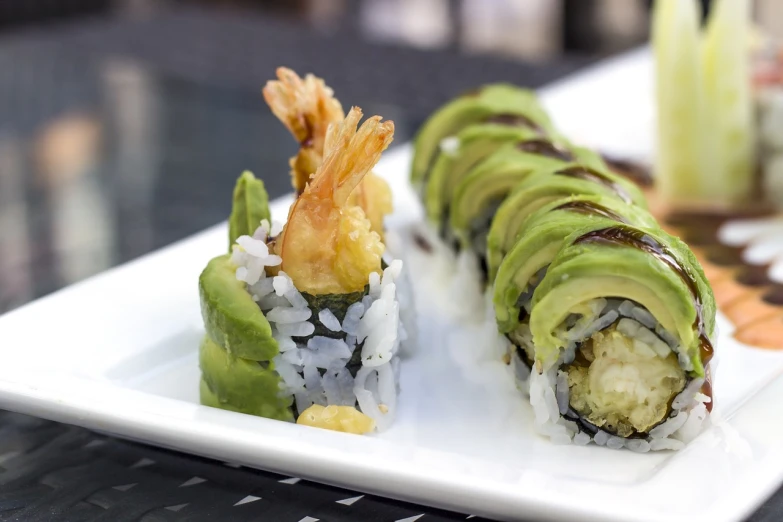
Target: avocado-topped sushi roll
(483,189)
(500,104)
(332,258)
(307,107)
(622,324)
(543,187)
(303,323)
(471,145)
(540,238)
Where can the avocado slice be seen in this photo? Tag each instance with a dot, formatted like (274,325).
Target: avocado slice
(541,236)
(497,100)
(543,187)
(649,267)
(231,317)
(250,205)
(483,189)
(473,144)
(236,384)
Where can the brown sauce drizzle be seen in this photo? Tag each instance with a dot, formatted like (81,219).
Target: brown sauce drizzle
(590,207)
(703,237)
(507,119)
(630,170)
(754,275)
(632,237)
(706,388)
(774,295)
(514,120)
(545,148)
(591,175)
(723,255)
(751,300)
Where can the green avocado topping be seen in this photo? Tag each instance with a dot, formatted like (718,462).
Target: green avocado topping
(472,144)
(475,107)
(237,384)
(544,187)
(646,266)
(543,234)
(490,182)
(250,205)
(231,317)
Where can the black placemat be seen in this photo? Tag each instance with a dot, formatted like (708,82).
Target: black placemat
(51,471)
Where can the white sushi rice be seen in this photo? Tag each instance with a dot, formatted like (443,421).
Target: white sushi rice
(315,371)
(328,319)
(407,306)
(549,390)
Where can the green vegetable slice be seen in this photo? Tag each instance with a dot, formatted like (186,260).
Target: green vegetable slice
(231,317)
(250,205)
(236,384)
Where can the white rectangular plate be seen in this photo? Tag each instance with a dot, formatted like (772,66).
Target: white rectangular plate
(118,353)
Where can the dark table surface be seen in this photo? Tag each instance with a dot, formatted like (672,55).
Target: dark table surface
(120,136)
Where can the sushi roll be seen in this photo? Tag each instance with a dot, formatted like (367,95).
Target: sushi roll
(541,236)
(307,107)
(480,193)
(622,327)
(609,320)
(498,104)
(543,187)
(303,323)
(459,155)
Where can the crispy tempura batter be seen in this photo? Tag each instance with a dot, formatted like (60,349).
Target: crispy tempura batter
(327,245)
(307,108)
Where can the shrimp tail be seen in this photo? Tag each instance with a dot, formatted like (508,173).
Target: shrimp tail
(306,107)
(351,155)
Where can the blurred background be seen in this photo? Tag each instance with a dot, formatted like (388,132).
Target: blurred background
(529,29)
(124,123)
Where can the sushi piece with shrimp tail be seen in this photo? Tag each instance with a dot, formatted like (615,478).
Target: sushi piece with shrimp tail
(304,324)
(327,245)
(332,258)
(307,107)
(334,309)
